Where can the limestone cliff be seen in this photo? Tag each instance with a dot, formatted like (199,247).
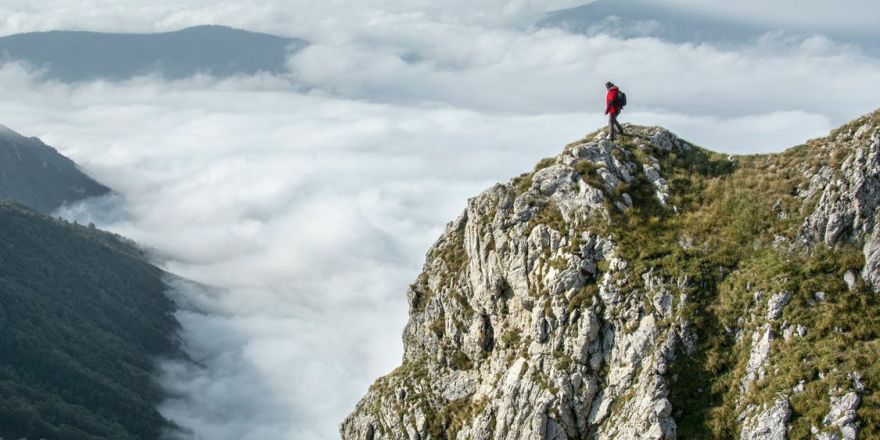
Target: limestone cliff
(650,289)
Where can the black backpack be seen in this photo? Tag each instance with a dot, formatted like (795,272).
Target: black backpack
(620,99)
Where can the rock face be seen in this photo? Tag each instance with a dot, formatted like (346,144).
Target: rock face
(607,295)
(848,203)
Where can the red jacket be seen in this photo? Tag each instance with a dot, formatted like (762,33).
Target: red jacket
(609,101)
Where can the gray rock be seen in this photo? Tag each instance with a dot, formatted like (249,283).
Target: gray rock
(758,356)
(666,140)
(775,304)
(871,271)
(850,279)
(769,423)
(840,422)
(857,383)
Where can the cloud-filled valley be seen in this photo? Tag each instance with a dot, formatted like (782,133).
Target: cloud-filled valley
(306,201)
(310,215)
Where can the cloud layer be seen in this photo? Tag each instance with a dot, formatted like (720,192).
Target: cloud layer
(307,201)
(309,214)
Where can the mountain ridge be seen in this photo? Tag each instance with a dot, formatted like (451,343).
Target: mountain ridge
(36,175)
(74,56)
(650,289)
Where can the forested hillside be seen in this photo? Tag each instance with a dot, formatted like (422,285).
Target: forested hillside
(83,319)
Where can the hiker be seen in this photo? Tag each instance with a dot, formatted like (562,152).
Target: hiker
(614,102)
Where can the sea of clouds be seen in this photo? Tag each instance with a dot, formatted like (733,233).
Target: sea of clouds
(300,206)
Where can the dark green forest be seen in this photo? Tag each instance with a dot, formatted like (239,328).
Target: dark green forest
(83,317)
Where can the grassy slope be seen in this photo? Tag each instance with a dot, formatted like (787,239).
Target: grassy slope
(730,210)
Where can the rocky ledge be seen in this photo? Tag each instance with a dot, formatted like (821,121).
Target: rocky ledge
(650,289)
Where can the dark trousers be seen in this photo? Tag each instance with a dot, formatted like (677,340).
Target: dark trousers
(612,122)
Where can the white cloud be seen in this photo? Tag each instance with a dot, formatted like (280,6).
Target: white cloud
(310,209)
(551,71)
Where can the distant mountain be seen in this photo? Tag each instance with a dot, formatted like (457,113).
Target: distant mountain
(83,317)
(36,175)
(220,51)
(675,23)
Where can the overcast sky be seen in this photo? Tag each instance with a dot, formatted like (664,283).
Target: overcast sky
(857,16)
(307,201)
(311,18)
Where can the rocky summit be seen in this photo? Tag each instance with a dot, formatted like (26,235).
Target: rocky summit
(650,289)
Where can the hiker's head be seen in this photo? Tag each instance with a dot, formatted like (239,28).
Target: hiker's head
(609,85)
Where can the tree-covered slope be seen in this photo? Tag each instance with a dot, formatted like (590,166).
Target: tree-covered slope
(650,289)
(36,175)
(82,319)
(220,51)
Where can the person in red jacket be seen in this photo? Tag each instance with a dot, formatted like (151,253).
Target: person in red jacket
(612,110)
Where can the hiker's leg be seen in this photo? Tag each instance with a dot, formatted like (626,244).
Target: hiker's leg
(612,119)
(611,126)
(617,124)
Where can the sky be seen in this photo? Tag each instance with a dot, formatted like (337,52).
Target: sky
(295,209)
(856,16)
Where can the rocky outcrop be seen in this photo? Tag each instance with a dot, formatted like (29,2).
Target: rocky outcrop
(841,422)
(841,419)
(577,301)
(514,321)
(768,424)
(847,198)
(762,337)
